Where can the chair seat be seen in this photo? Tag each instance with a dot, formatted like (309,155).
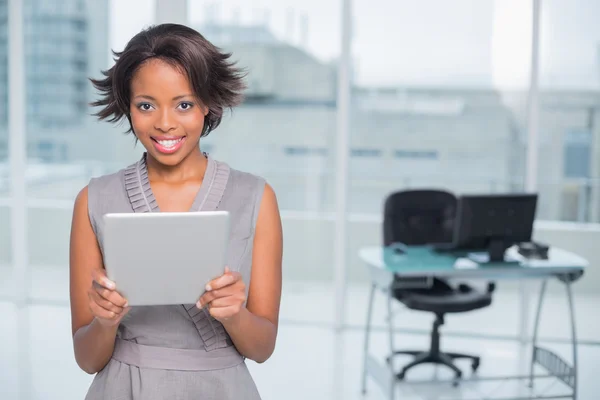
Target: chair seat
(454,301)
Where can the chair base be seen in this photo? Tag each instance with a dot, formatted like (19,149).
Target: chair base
(435,356)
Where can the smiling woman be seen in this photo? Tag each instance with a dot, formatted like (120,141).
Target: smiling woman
(172,85)
(165,115)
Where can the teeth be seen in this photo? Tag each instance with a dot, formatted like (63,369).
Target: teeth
(169,143)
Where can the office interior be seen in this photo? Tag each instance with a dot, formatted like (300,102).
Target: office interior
(348,102)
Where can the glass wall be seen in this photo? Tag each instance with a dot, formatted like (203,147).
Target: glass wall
(570,110)
(569,135)
(437,103)
(285,130)
(3,93)
(5,244)
(439,96)
(429,100)
(66,43)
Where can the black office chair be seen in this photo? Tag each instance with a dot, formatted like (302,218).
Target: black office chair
(420,217)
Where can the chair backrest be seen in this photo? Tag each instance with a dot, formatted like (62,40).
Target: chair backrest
(418,217)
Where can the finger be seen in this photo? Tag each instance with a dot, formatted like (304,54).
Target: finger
(223,298)
(107,305)
(215,282)
(223,302)
(226,279)
(99,276)
(208,297)
(112,296)
(101,312)
(223,312)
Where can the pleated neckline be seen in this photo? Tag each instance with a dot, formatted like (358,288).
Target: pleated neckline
(208,197)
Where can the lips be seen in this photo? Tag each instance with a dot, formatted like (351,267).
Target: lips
(168,145)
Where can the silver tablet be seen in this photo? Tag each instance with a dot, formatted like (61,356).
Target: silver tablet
(165,258)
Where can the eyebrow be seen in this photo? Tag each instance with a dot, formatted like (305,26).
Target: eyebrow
(144,96)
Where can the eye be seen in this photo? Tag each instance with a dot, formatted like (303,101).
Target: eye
(186,106)
(145,106)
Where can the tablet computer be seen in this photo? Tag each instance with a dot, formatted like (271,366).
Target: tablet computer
(165,257)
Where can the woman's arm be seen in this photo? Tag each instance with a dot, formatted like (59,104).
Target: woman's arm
(253,329)
(96,308)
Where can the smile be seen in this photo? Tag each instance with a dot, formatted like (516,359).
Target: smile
(168,146)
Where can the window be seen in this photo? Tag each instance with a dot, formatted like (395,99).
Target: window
(416,154)
(366,153)
(444,91)
(577,153)
(305,151)
(569,116)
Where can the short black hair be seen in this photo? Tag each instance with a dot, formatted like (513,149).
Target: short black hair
(215,80)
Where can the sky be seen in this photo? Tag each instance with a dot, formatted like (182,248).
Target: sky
(425,42)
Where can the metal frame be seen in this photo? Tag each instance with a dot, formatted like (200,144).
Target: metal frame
(341,166)
(18,163)
(547,359)
(531,162)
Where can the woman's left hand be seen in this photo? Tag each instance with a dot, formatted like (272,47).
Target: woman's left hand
(224,296)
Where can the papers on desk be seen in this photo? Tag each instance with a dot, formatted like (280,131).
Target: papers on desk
(465,263)
(479,260)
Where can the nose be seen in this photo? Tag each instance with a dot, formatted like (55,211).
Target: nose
(165,122)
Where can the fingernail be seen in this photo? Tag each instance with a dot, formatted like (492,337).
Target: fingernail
(109,284)
(207,287)
(199,305)
(126,304)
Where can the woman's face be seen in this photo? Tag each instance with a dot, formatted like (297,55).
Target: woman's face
(166,116)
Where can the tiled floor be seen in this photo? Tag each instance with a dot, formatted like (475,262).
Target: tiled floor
(311,359)
(310,362)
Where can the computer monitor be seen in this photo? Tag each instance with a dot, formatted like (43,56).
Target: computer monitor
(493,223)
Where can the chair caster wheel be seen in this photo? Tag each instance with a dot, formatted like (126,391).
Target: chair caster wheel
(457,379)
(475,365)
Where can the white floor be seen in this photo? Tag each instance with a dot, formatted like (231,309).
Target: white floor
(311,359)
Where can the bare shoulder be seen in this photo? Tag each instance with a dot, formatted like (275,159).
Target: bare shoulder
(82,196)
(81,201)
(268,223)
(269,200)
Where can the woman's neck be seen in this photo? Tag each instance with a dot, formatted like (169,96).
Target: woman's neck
(192,167)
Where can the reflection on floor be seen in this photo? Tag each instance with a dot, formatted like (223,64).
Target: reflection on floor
(311,359)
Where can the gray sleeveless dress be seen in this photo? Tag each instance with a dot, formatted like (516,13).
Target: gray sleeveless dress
(178,351)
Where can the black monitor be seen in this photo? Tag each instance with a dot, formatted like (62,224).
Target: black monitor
(493,223)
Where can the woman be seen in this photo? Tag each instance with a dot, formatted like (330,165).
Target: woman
(172,85)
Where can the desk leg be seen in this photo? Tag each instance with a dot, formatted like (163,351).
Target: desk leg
(523,311)
(390,325)
(367,335)
(391,340)
(573,336)
(535,330)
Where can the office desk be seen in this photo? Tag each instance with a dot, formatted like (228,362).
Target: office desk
(417,267)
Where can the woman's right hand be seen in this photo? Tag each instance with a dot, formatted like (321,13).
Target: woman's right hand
(106,304)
